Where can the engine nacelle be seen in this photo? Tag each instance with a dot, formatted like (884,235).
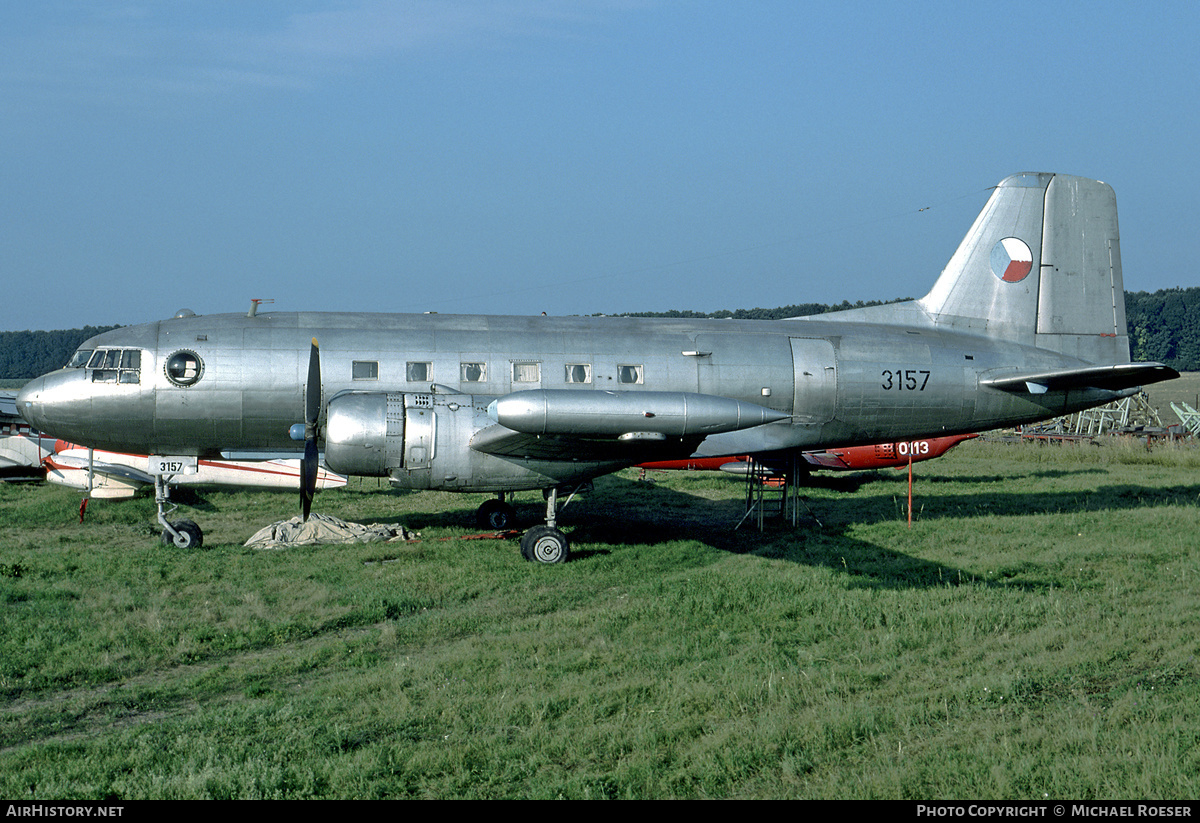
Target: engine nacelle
(423,441)
(375,434)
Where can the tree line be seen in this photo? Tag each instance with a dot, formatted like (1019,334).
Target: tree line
(780,313)
(26,354)
(1164,327)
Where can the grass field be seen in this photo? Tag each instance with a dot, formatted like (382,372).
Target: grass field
(1032,635)
(1185,389)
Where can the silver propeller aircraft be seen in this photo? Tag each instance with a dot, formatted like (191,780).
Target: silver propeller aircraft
(1025,323)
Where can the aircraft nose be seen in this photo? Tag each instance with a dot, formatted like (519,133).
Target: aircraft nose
(52,403)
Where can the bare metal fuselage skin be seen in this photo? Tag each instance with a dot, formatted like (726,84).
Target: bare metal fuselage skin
(832,383)
(1026,322)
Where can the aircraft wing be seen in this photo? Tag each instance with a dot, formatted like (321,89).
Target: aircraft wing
(610,426)
(8,405)
(100,468)
(504,442)
(1107,378)
(825,460)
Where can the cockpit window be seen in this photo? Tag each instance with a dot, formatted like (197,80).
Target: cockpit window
(79,359)
(111,365)
(104,358)
(184,368)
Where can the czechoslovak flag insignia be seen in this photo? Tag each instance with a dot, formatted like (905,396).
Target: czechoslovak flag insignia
(1011,260)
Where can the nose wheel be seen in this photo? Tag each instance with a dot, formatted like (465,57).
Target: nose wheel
(182,534)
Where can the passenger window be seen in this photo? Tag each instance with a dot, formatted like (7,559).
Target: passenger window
(526,372)
(629,374)
(474,372)
(365,370)
(418,372)
(579,373)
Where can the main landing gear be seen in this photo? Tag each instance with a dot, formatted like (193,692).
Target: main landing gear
(496,515)
(542,543)
(546,544)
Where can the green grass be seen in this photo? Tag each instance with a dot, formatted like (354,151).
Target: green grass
(1032,635)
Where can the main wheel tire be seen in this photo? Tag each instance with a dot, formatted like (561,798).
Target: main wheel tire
(545,544)
(190,535)
(495,515)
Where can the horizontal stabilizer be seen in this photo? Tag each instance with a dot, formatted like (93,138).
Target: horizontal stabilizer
(1106,378)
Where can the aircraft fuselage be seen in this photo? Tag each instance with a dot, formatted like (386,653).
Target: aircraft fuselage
(207,385)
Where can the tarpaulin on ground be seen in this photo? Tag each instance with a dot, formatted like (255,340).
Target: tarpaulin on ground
(321,528)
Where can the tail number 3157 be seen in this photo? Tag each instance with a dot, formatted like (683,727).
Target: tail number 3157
(905,379)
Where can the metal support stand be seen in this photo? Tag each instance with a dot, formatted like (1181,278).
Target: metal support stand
(772,489)
(1188,416)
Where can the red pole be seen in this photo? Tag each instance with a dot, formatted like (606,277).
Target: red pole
(910,488)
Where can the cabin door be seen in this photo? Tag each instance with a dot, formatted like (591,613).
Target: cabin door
(814,366)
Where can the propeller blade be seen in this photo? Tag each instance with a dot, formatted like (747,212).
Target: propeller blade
(308,477)
(312,412)
(312,391)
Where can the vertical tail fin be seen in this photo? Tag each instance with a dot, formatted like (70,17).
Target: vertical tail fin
(1041,266)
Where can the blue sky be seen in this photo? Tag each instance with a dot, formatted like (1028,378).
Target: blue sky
(521,156)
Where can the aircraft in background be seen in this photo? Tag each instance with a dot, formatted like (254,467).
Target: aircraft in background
(116,475)
(1025,323)
(26,452)
(846,458)
(22,448)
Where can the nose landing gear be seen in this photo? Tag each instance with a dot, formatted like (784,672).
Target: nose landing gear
(183,534)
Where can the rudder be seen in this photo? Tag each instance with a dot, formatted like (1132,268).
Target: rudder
(1081,301)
